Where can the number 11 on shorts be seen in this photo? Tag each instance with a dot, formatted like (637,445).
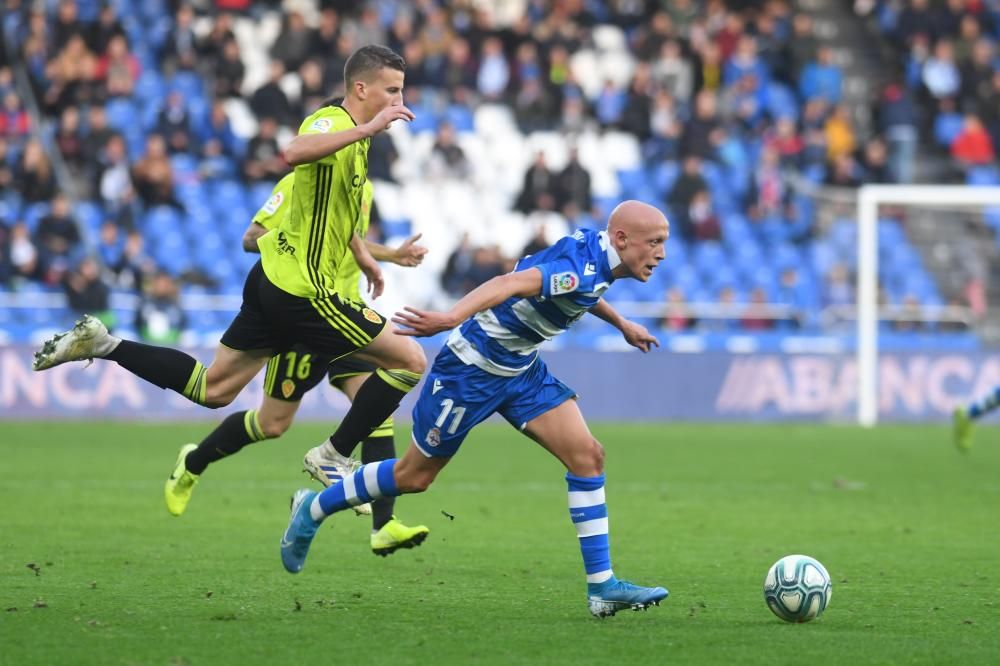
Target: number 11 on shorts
(447,406)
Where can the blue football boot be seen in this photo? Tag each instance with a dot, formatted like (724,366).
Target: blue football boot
(607,598)
(300,532)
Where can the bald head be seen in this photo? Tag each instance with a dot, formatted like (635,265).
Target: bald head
(636,217)
(638,232)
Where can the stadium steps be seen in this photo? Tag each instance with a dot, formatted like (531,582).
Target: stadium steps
(854,51)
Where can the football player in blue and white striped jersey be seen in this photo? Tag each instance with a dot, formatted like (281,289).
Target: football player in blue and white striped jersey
(490,364)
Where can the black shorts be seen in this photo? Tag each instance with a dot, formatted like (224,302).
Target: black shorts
(294,372)
(271,318)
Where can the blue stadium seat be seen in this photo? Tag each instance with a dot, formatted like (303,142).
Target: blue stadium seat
(785,256)
(258,194)
(121,113)
(221,269)
(35,212)
(207,245)
(736,234)
(425,119)
(632,182)
(605,205)
(201,321)
(396,228)
(662,177)
(191,194)
(227,195)
(890,234)
(188,84)
(88,10)
(199,111)
(946,128)
(184,165)
(844,234)
(982,175)
(135,139)
(686,279)
(747,259)
(725,276)
(677,252)
(991,216)
(89,215)
(766,278)
(161,220)
(172,252)
(461,118)
(150,10)
(781,101)
(150,88)
(708,257)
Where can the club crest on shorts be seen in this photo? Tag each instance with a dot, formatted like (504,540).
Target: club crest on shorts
(371,315)
(564,283)
(287,388)
(434,437)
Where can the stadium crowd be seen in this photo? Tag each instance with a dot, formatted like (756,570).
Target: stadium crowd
(170,121)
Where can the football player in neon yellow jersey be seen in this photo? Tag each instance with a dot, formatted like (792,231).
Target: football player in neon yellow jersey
(285,386)
(289,298)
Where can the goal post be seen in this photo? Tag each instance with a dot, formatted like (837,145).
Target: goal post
(870,197)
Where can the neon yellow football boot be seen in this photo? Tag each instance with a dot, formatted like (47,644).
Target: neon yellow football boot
(395,535)
(180,483)
(961,429)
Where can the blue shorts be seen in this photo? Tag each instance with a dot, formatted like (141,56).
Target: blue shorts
(456,397)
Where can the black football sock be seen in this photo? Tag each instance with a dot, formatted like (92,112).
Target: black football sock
(375,449)
(236,431)
(165,367)
(375,401)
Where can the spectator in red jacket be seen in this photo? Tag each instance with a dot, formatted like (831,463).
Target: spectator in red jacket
(14,121)
(973,145)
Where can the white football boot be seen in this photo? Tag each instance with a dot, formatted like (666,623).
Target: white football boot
(329,469)
(87,340)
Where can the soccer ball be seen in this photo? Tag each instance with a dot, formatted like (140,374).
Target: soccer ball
(797,588)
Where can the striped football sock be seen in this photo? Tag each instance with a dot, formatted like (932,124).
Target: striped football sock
(589,514)
(986,404)
(370,482)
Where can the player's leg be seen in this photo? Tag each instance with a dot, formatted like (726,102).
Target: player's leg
(400,363)
(289,376)
(389,534)
(563,432)
(964,417)
(165,367)
(442,418)
(244,350)
(412,473)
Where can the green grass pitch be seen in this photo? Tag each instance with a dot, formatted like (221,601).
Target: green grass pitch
(94,570)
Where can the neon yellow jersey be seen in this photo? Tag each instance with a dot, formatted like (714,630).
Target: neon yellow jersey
(303,254)
(348,282)
(269,215)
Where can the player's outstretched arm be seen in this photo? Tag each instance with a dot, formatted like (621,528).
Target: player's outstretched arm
(635,334)
(250,236)
(368,266)
(312,147)
(408,254)
(422,323)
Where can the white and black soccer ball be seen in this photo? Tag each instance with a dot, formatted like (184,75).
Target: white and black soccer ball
(797,588)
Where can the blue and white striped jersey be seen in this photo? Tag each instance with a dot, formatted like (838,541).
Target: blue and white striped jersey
(504,340)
